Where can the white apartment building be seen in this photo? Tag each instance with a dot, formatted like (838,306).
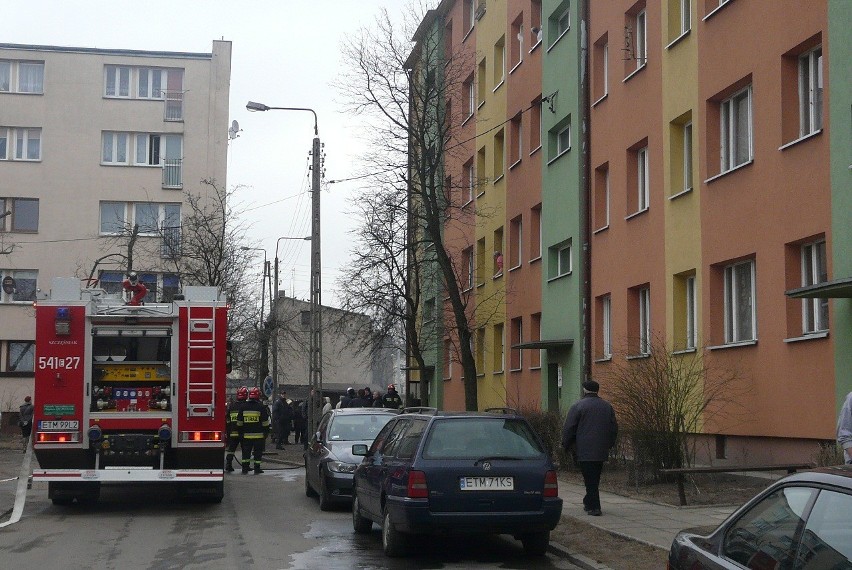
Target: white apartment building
(92,142)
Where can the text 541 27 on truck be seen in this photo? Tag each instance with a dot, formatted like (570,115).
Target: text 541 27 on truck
(128,392)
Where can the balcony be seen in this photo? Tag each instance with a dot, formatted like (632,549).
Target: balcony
(173,109)
(173,173)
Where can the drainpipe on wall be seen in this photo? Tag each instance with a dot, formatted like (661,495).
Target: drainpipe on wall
(585,186)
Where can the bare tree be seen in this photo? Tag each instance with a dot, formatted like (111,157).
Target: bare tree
(400,86)
(663,399)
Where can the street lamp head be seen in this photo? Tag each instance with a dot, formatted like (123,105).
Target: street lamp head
(252,106)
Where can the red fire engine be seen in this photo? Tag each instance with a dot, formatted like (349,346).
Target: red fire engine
(129,393)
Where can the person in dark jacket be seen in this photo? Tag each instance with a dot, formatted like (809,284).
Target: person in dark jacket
(590,431)
(300,422)
(233,432)
(392,399)
(253,421)
(361,401)
(346,400)
(25,421)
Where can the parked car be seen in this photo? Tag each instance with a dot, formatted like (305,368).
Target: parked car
(329,462)
(432,472)
(803,521)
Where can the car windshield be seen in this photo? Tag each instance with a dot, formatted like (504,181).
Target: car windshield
(479,438)
(359,427)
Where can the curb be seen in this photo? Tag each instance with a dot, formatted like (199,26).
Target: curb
(576,559)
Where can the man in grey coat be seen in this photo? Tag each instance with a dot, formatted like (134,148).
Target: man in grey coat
(590,431)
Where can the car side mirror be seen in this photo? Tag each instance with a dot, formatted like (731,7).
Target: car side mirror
(318,437)
(359,449)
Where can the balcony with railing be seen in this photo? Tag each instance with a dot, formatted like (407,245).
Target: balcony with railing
(173,173)
(173,108)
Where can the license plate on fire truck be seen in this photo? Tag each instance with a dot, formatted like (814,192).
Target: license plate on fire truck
(45,425)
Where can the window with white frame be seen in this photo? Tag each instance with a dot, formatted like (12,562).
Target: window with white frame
(151,83)
(23,215)
(118,217)
(535,23)
(115,148)
(814,270)
(20,358)
(642,179)
(22,77)
(560,259)
(517,41)
(469,268)
(606,326)
(470,96)
(162,287)
(736,129)
(687,156)
(113,218)
(644,320)
(499,348)
(560,21)
(517,337)
(641,53)
(685,16)
(24,285)
(5,76)
(740,310)
(117,81)
(563,139)
(810,92)
(691,313)
(20,143)
(470,180)
(499,62)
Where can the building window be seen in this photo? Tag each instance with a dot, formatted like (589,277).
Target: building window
(151,83)
(535,232)
(481,85)
(560,262)
(5,76)
(24,288)
(499,62)
(535,23)
(499,155)
(20,357)
(23,215)
(515,146)
(429,310)
(480,170)
(680,18)
(535,336)
(687,156)
(22,77)
(559,139)
(469,180)
(736,129)
(497,266)
(644,320)
(740,311)
(20,143)
(641,53)
(600,68)
(115,147)
(517,333)
(601,197)
(685,16)
(814,270)
(638,195)
(448,41)
(117,83)
(469,12)
(467,257)
(535,125)
(604,322)
(499,349)
(113,218)
(148,216)
(691,313)
(481,264)
(470,96)
(810,92)
(517,41)
(515,242)
(560,21)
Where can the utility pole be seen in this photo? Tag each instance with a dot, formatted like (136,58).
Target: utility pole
(315,371)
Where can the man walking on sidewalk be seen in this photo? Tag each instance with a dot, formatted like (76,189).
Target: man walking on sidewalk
(25,421)
(590,431)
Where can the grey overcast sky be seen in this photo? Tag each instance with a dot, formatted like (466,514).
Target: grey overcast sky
(285,54)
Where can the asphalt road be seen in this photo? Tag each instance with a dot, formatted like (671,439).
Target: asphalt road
(265,521)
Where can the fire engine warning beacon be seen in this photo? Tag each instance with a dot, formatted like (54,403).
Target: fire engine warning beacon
(253,423)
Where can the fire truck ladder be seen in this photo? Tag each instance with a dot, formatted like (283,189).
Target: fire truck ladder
(200,360)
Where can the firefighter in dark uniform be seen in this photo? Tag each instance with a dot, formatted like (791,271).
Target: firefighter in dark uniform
(253,423)
(392,399)
(231,426)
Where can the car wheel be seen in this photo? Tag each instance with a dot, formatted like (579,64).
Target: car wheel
(361,524)
(393,541)
(309,491)
(324,498)
(536,543)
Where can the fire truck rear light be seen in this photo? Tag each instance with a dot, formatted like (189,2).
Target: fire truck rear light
(200,436)
(58,437)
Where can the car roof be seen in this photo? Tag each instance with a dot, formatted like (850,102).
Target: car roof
(505,413)
(839,475)
(357,411)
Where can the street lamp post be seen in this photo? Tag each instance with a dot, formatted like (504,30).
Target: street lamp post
(315,349)
(273,305)
(262,306)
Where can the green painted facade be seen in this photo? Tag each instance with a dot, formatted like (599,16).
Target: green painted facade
(563,203)
(840,131)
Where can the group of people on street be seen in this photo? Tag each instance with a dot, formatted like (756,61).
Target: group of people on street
(365,398)
(248,425)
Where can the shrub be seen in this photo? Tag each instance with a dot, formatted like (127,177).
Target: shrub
(548,426)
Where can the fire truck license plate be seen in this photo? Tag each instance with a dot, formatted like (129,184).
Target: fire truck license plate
(58,424)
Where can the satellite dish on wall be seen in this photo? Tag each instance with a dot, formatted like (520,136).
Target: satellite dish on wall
(235,128)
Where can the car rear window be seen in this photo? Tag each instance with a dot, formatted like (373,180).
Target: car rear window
(476,437)
(357,427)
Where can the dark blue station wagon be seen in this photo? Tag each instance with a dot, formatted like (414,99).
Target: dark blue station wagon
(453,472)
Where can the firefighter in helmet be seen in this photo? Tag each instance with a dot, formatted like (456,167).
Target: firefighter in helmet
(253,424)
(231,426)
(392,399)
